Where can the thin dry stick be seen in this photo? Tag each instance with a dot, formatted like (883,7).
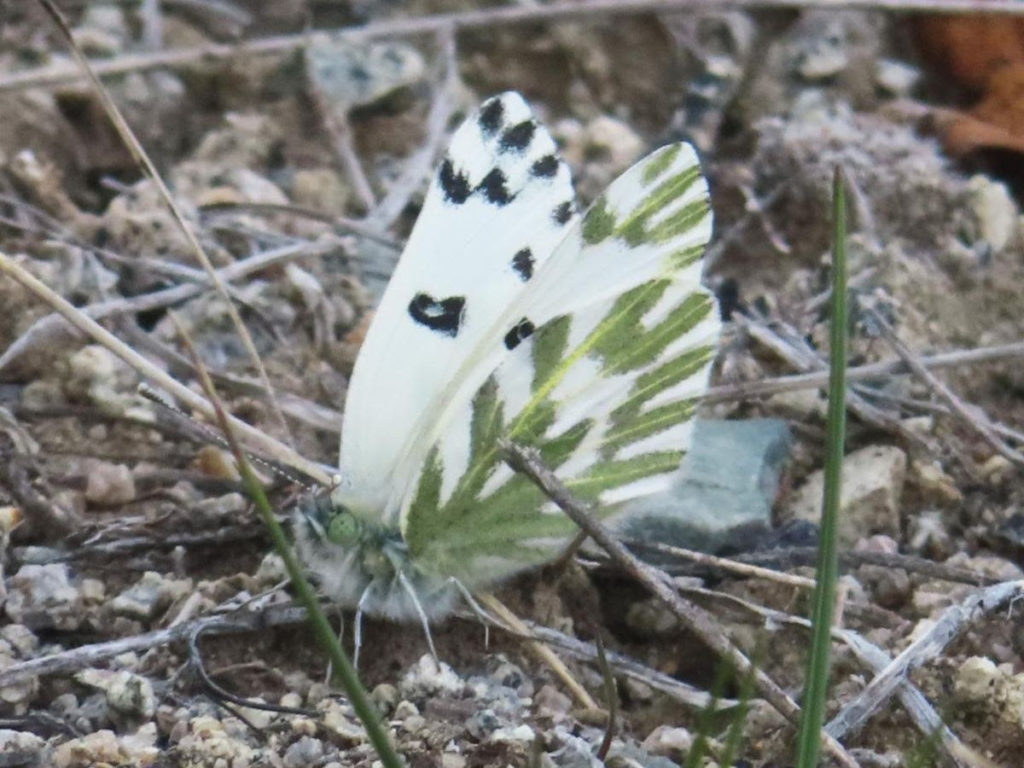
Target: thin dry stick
(730,566)
(929,406)
(340,131)
(729,392)
(624,665)
(420,164)
(42,330)
(541,651)
(85,656)
(252,617)
(953,621)
(355,226)
(126,134)
(696,619)
(872,657)
(975,418)
(485,19)
(254,437)
(795,351)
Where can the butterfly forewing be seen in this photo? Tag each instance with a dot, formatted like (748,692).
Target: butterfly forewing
(598,365)
(497,207)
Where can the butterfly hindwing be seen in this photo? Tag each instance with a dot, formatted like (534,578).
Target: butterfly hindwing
(599,367)
(497,207)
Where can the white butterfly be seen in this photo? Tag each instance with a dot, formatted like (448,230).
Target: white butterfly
(510,316)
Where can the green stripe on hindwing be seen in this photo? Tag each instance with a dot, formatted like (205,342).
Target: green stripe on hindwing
(633,342)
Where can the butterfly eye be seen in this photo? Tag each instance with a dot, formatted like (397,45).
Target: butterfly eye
(343,529)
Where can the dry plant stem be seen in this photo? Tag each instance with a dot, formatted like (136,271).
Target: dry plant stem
(486,19)
(696,619)
(628,667)
(42,330)
(972,417)
(791,557)
(258,618)
(317,416)
(118,548)
(133,145)
(421,163)
(918,708)
(341,135)
(541,651)
(85,656)
(254,437)
(873,658)
(729,566)
(949,626)
(928,406)
(802,356)
(354,226)
(730,392)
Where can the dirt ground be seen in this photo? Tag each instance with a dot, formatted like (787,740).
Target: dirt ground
(297,139)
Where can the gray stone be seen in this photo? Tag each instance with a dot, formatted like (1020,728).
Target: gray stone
(349,75)
(727,485)
(305,751)
(126,693)
(43,597)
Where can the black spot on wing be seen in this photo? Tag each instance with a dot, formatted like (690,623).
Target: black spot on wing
(454,184)
(522,263)
(520,331)
(495,189)
(546,167)
(562,212)
(518,137)
(442,315)
(492,115)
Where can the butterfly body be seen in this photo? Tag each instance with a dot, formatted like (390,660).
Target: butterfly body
(511,317)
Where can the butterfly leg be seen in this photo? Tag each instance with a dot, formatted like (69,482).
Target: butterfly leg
(357,629)
(341,634)
(481,614)
(407,586)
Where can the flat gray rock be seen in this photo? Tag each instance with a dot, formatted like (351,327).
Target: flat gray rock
(727,484)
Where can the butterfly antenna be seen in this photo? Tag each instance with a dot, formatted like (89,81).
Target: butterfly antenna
(209,434)
(419,610)
(477,609)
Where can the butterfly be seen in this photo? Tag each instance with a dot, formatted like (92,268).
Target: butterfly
(510,316)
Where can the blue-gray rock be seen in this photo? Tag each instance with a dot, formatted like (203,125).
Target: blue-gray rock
(727,484)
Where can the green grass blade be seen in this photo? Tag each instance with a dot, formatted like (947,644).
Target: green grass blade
(343,669)
(816,689)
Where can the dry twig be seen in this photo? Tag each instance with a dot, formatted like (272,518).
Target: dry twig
(44,330)
(142,159)
(874,659)
(949,626)
(746,390)
(256,438)
(695,618)
(487,18)
(973,417)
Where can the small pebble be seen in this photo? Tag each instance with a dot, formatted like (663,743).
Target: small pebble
(43,597)
(109,484)
(669,741)
(304,752)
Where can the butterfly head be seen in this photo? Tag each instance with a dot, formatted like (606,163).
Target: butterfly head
(362,563)
(336,530)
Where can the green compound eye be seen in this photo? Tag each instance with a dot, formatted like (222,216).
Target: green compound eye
(343,529)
